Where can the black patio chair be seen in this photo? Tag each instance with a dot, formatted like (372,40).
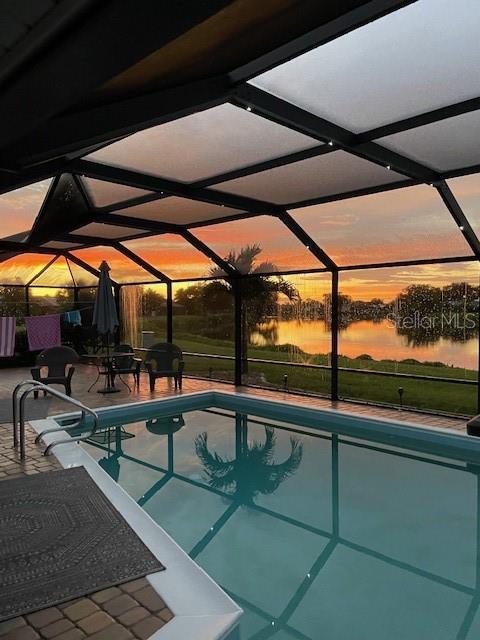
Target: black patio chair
(125,364)
(165,360)
(59,362)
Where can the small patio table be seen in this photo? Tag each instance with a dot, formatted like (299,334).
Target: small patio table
(104,364)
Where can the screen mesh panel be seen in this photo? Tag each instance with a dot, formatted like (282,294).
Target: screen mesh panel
(403,224)
(177,211)
(103,193)
(323,175)
(54,244)
(172,255)
(22,268)
(263,244)
(203,324)
(203,144)
(108,231)
(447,144)
(293,328)
(82,277)
(19,208)
(57,274)
(122,269)
(416,59)
(466,190)
(418,320)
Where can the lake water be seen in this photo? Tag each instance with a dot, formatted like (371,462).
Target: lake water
(379,339)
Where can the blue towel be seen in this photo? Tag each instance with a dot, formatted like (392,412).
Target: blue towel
(73,317)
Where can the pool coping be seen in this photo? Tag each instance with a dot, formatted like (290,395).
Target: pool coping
(201,608)
(430,439)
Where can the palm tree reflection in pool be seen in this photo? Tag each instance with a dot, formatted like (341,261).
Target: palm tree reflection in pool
(253,470)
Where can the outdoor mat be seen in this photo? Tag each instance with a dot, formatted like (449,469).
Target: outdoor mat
(60,538)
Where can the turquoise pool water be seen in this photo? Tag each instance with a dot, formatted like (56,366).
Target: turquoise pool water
(317,535)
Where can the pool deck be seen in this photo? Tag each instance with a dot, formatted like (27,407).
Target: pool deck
(132,610)
(85,375)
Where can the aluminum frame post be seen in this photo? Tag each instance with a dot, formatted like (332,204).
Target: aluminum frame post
(169,312)
(334,330)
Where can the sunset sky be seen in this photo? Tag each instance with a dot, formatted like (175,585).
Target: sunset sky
(401,224)
(381,283)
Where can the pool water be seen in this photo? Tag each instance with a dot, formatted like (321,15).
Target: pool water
(315,535)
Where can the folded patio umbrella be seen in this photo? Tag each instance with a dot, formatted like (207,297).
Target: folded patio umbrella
(105,316)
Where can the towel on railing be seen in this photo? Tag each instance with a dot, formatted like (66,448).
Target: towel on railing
(43,332)
(73,317)
(7,336)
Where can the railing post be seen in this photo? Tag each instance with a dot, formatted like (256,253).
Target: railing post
(478,367)
(334,329)
(15,408)
(169,312)
(237,293)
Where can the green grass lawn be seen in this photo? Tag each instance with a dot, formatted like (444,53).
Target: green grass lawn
(443,396)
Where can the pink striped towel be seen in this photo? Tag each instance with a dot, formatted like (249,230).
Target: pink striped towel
(7,336)
(43,331)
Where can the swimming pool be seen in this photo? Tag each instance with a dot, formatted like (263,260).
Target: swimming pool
(318,524)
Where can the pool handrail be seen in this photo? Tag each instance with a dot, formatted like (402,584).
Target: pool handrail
(34,385)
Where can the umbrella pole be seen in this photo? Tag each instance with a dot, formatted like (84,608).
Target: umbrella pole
(109,387)
(109,366)
(105,317)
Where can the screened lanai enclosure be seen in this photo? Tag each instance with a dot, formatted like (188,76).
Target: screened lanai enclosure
(308,221)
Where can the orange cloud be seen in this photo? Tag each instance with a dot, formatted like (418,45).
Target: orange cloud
(19,208)
(22,268)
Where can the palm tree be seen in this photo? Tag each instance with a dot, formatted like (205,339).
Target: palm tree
(253,470)
(259,295)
